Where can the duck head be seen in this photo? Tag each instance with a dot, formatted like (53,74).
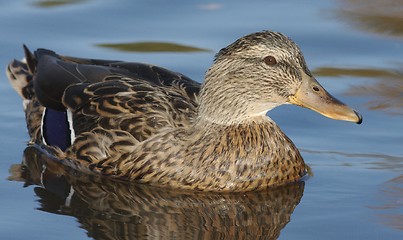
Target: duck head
(259,72)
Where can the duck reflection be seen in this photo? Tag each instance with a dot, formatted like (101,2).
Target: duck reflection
(113,210)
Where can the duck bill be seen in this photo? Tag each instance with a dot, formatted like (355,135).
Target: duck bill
(313,96)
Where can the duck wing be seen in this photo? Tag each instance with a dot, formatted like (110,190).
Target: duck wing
(132,105)
(112,95)
(54,73)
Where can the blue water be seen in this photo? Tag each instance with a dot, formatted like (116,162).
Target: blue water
(356,191)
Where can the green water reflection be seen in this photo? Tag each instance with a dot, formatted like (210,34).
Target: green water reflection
(55,3)
(151,47)
(382,17)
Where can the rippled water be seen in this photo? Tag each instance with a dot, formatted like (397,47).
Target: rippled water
(355,50)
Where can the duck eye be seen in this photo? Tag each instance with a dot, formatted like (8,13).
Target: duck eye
(270,60)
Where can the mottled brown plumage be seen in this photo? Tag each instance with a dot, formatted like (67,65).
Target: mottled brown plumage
(110,210)
(147,124)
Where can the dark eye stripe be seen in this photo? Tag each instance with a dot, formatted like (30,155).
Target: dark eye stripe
(270,60)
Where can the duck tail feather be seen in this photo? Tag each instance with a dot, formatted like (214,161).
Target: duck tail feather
(30,59)
(20,78)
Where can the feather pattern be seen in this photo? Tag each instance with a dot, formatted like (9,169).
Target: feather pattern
(143,123)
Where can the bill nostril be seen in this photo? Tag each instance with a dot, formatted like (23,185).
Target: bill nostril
(316,89)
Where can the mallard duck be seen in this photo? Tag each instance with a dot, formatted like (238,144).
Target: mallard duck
(142,123)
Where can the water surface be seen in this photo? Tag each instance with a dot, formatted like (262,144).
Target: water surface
(355,50)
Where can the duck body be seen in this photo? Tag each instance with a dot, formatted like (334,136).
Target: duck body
(142,123)
(210,156)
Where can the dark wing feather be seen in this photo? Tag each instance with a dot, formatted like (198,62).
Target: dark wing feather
(131,105)
(150,73)
(54,73)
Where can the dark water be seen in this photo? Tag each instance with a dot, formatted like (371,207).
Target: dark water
(355,50)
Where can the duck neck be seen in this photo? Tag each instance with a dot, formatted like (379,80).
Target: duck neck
(225,100)
(205,122)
